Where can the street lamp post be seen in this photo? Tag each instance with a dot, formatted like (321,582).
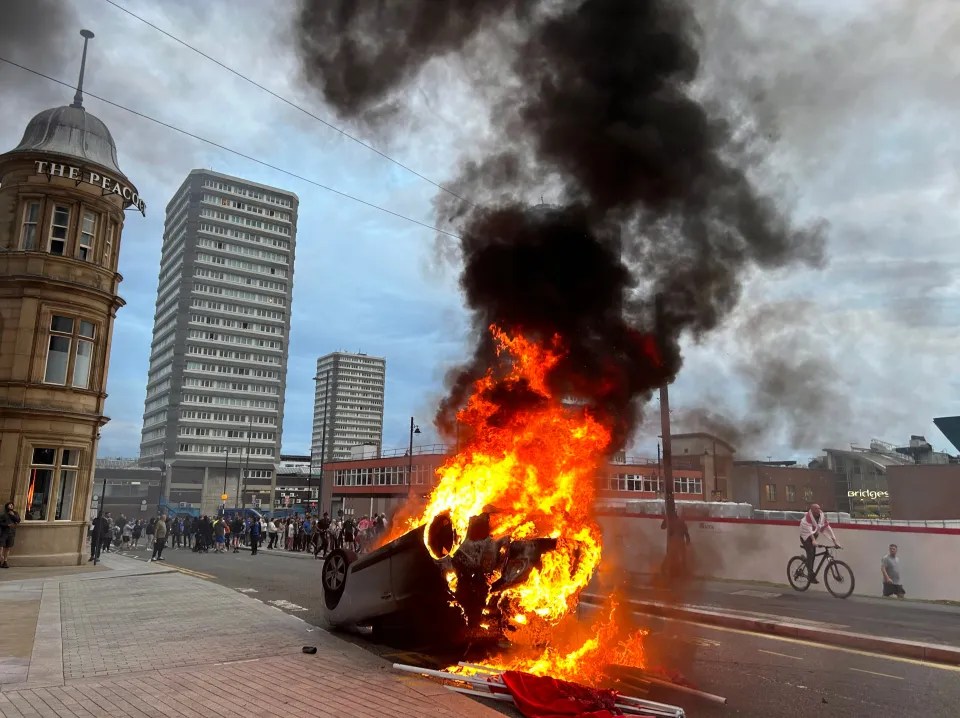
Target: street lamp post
(414,429)
(246,470)
(323,439)
(226,460)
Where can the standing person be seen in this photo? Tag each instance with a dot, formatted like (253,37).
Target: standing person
(106,535)
(176,527)
(100,527)
(137,533)
(219,534)
(890,568)
(272,533)
(291,530)
(323,536)
(127,533)
(150,524)
(236,530)
(8,531)
(813,523)
(159,538)
(307,533)
(255,534)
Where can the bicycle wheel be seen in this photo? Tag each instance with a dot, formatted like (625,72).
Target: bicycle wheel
(839,578)
(797,573)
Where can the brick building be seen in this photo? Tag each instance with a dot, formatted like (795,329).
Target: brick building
(783,486)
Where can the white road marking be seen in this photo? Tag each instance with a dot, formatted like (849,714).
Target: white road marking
(874,673)
(246,590)
(282,604)
(784,655)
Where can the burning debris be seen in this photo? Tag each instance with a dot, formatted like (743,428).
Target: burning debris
(653,198)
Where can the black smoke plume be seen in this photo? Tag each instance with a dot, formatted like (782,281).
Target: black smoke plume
(655,197)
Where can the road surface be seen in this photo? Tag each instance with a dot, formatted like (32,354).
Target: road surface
(761,676)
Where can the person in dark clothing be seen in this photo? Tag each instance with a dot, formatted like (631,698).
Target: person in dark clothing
(8,532)
(255,530)
(100,528)
(323,535)
(106,533)
(236,531)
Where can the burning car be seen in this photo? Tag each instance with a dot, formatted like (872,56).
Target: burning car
(414,582)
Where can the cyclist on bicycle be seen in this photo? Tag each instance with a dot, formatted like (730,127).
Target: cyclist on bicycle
(813,523)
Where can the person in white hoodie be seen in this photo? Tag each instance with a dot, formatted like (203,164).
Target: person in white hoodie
(272,533)
(814,523)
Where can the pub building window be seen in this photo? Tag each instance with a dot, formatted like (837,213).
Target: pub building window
(52,469)
(70,347)
(791,493)
(108,245)
(59,229)
(771,491)
(30,226)
(88,231)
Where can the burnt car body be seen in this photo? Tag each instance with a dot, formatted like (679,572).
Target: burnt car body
(401,588)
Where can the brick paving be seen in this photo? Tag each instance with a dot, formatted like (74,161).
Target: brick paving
(166,644)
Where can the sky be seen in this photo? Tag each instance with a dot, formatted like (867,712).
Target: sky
(855,106)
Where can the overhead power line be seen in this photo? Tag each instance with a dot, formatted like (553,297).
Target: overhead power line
(290,102)
(328,188)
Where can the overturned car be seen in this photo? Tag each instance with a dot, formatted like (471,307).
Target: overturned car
(401,588)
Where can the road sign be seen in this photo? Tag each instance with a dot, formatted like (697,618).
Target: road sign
(223,497)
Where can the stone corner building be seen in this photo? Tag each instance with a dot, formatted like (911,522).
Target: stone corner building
(62,203)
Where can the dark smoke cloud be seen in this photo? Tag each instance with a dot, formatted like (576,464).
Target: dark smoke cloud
(34,29)
(655,193)
(796,397)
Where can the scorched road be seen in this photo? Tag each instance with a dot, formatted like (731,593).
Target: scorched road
(761,676)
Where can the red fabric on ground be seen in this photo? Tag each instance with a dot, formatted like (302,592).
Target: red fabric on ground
(541,697)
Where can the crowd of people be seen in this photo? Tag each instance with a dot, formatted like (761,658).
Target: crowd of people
(229,531)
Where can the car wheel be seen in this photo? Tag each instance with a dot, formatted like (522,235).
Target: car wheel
(333,577)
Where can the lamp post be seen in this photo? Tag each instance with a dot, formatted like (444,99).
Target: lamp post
(246,470)
(414,429)
(323,439)
(226,460)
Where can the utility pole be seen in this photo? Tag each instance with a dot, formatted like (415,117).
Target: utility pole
(670,508)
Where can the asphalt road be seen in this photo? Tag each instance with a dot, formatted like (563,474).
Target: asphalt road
(908,620)
(761,676)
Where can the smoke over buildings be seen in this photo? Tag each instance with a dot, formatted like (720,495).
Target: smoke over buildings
(653,193)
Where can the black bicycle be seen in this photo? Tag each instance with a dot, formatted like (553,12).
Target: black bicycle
(836,574)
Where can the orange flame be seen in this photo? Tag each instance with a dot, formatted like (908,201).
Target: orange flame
(532,462)
(577,659)
(536,467)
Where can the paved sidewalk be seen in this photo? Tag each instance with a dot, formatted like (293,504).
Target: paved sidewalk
(147,640)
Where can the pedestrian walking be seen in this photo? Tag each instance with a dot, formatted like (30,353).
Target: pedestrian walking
(8,531)
(137,533)
(890,568)
(127,533)
(160,538)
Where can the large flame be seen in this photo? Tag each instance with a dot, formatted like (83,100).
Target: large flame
(533,460)
(573,657)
